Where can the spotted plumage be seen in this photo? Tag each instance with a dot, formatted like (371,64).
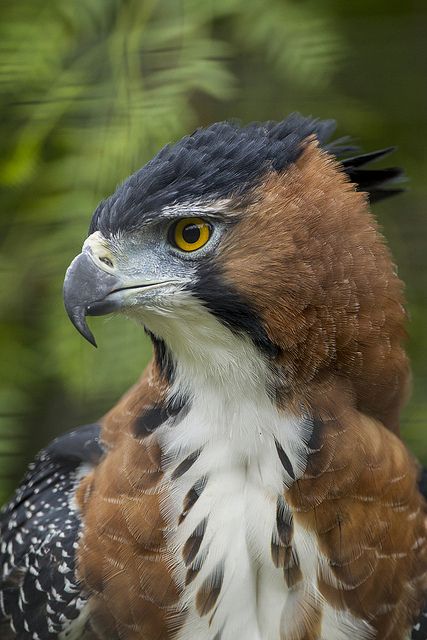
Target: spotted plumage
(252,483)
(40,595)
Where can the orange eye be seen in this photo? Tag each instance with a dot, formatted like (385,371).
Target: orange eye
(190,234)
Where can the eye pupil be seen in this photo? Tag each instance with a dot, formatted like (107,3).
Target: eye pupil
(191,233)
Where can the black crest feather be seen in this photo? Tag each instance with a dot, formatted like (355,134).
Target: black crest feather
(378,183)
(226,159)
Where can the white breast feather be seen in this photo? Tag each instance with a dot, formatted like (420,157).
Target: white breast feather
(234,423)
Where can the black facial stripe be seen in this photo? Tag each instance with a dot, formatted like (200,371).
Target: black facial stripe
(163,357)
(229,307)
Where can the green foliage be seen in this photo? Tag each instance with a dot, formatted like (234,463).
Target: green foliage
(93,90)
(90,91)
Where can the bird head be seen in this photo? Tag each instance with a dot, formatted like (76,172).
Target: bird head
(259,236)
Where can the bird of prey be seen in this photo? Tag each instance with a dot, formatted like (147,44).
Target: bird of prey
(253,483)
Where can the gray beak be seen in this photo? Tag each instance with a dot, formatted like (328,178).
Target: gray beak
(86,291)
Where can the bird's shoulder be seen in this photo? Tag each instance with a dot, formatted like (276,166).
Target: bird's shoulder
(126,570)
(359,498)
(39,531)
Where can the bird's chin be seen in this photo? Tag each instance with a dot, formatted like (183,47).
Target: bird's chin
(144,303)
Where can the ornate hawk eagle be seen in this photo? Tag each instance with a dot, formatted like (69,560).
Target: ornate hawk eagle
(253,483)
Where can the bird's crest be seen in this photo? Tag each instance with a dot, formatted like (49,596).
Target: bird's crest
(227,159)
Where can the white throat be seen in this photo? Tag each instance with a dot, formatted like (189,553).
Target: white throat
(229,459)
(235,427)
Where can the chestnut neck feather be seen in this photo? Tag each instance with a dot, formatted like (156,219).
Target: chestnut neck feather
(326,289)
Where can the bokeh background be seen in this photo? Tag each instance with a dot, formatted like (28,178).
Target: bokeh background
(89,92)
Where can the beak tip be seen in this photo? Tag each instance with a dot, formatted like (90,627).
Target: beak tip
(84,330)
(77,316)
(87,334)
(90,338)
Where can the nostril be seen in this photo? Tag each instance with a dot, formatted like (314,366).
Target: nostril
(106,261)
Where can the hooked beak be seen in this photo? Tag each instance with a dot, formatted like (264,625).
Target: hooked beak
(87,292)
(90,290)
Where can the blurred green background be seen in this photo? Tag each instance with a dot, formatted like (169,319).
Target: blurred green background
(91,89)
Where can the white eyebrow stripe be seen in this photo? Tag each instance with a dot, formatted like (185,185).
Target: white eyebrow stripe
(215,208)
(225,210)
